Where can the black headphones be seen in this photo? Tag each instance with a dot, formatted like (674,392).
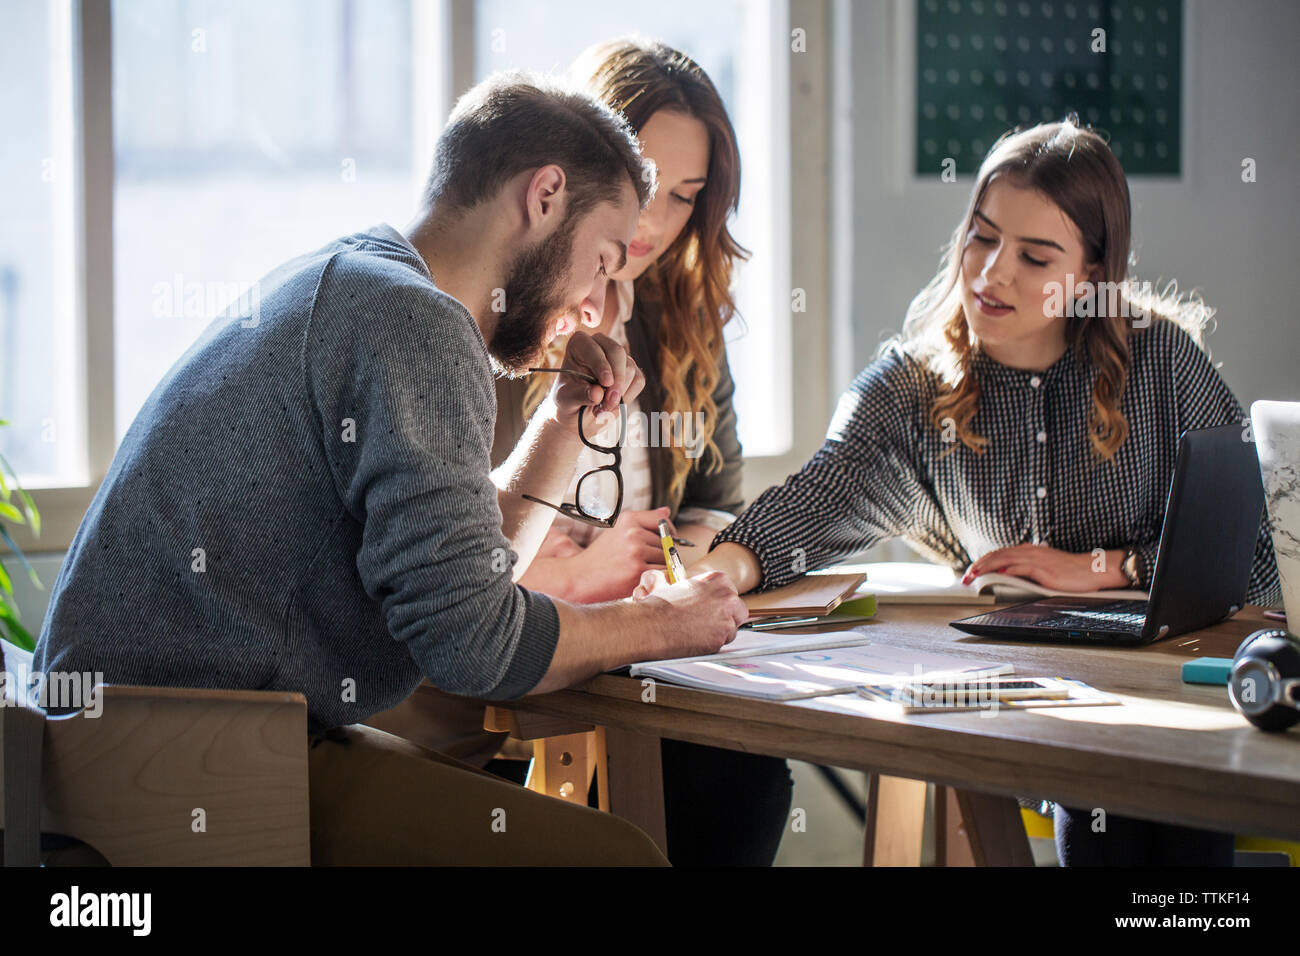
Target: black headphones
(1265,680)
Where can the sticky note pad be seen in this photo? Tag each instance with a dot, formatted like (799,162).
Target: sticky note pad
(1207,670)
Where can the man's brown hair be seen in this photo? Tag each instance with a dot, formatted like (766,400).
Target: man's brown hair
(514,122)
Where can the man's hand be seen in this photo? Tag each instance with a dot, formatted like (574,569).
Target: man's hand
(1057,570)
(604,360)
(699,615)
(736,561)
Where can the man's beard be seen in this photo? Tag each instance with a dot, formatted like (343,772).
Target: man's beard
(533,301)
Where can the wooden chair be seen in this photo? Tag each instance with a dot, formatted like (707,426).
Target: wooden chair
(565,755)
(162,777)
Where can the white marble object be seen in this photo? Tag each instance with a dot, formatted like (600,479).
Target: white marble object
(1276,428)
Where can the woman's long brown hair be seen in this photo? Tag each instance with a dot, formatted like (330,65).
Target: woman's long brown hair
(691,279)
(1075,169)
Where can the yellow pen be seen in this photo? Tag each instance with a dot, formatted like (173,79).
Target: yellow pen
(676,570)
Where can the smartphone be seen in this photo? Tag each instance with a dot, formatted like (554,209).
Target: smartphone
(955,693)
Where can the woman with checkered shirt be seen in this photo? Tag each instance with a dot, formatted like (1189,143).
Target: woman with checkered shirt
(1027,416)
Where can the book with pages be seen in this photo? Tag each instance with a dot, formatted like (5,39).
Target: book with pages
(916,582)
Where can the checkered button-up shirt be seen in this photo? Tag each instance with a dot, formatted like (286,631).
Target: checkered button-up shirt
(883,472)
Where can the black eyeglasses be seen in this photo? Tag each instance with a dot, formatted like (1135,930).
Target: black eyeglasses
(600,485)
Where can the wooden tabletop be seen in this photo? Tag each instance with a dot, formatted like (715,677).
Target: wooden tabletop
(1172,751)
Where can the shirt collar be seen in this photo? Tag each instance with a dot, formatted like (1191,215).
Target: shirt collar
(987,369)
(386,233)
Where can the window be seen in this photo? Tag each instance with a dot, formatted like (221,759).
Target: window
(245,133)
(41,379)
(743,46)
(167,154)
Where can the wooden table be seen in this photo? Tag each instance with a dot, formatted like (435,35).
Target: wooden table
(1172,752)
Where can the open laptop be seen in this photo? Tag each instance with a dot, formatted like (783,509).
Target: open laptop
(1207,546)
(1277,438)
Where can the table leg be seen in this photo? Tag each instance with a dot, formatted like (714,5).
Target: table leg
(951,845)
(895,821)
(636,782)
(991,831)
(970,828)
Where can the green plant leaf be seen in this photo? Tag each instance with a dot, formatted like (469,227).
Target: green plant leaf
(5,582)
(13,514)
(4,463)
(13,546)
(12,630)
(33,516)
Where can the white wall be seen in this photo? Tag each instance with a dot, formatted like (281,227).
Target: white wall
(1233,241)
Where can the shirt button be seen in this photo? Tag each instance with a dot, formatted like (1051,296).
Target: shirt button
(1042,492)
(1035,381)
(1042,437)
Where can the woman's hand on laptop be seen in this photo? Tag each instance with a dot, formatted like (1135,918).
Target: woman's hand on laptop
(1058,570)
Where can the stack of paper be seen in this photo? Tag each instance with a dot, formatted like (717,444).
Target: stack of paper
(776,673)
(880,701)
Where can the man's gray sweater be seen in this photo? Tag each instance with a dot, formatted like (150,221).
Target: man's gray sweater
(303,503)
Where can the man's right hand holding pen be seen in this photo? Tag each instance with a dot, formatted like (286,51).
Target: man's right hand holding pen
(734,561)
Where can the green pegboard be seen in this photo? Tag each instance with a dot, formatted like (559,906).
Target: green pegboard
(985,66)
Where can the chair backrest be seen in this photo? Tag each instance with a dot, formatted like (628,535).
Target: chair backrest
(22,735)
(160,776)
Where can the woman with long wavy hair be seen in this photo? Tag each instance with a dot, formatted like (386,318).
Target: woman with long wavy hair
(1026,418)
(668,306)
(681,458)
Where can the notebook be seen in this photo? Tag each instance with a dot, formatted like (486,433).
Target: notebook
(856,607)
(811,595)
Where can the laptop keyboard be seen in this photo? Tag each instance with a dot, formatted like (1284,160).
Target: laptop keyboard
(1128,616)
(1124,616)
